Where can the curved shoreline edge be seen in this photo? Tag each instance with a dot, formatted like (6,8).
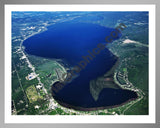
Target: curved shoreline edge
(93,108)
(76,107)
(111,71)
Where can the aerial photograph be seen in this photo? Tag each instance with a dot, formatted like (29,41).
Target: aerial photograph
(80,63)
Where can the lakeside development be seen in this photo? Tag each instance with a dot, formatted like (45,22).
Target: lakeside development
(54,104)
(113,79)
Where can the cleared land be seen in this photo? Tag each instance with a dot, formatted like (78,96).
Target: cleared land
(32,94)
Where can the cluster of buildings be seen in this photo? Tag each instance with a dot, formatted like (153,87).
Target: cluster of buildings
(31,76)
(39,86)
(52,105)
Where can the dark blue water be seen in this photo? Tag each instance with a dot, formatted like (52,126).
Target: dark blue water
(70,41)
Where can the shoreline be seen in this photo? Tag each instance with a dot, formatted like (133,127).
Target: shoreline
(111,71)
(93,108)
(76,107)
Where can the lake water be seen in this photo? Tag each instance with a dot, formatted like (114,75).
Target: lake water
(70,41)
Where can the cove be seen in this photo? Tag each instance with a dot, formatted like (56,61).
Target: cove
(70,41)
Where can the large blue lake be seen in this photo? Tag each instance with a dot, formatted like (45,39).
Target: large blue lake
(70,41)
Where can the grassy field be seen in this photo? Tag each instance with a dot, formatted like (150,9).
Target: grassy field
(32,94)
